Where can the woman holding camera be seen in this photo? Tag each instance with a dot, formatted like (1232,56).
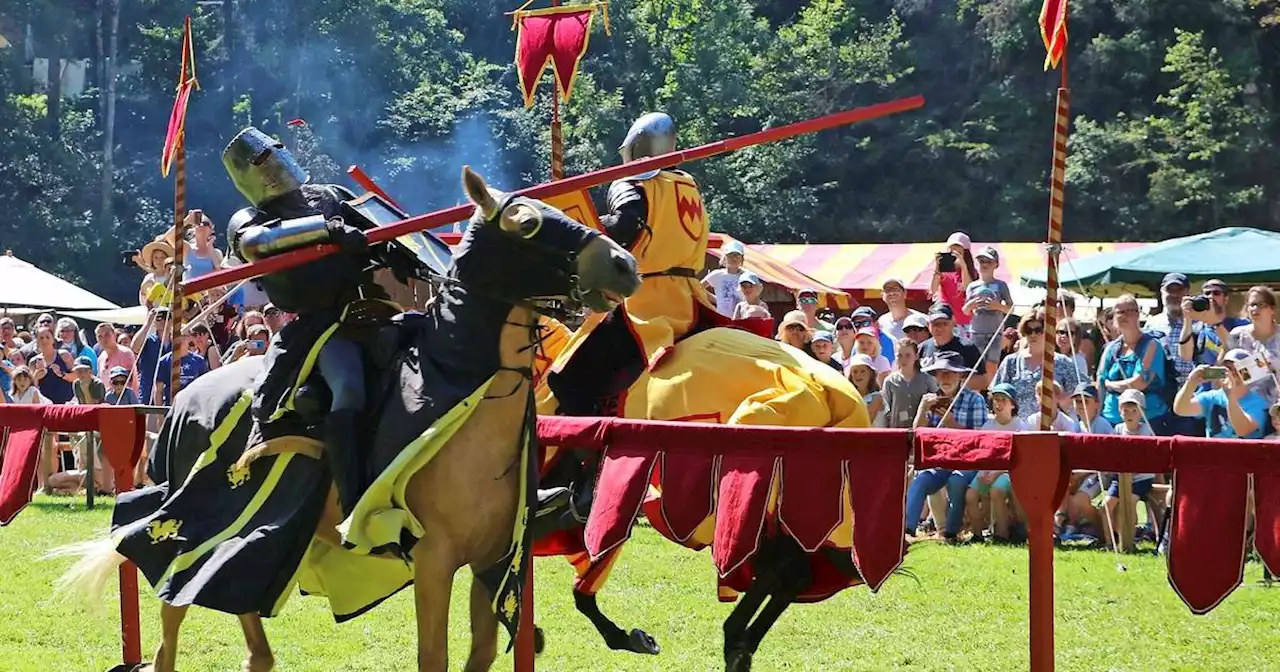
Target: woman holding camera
(1260,335)
(953,270)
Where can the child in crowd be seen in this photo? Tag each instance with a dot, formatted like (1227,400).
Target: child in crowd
(1085,402)
(88,389)
(987,300)
(751,306)
(120,393)
(1133,406)
(1274,412)
(863,376)
(24,390)
(994,487)
(1061,423)
(903,389)
(724,282)
(867,341)
(823,347)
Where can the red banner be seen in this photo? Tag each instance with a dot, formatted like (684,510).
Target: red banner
(178,116)
(1053,30)
(556,36)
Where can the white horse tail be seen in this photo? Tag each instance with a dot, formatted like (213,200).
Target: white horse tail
(97,564)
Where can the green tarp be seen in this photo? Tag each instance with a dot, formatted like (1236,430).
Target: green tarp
(1237,255)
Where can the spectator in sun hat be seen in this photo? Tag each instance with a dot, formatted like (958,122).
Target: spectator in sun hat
(892,323)
(955,407)
(948,286)
(864,317)
(987,301)
(751,305)
(916,328)
(807,303)
(944,339)
(152,260)
(1235,410)
(862,373)
(724,281)
(1004,416)
(118,390)
(822,346)
(794,330)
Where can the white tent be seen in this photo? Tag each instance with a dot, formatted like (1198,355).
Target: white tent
(130,315)
(24,285)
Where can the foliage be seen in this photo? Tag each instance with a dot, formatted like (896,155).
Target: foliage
(1173,106)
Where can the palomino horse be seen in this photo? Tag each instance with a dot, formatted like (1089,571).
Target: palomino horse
(733,377)
(451,426)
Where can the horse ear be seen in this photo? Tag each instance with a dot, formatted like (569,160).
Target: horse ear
(479,192)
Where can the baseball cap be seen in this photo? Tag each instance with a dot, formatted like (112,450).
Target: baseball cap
(940,311)
(1085,390)
(734,247)
(915,320)
(1215,283)
(793,317)
(823,336)
(844,321)
(861,359)
(748,278)
(988,252)
(866,331)
(807,292)
(1174,279)
(117,372)
(865,311)
(893,281)
(1133,397)
(82,362)
(1252,368)
(958,238)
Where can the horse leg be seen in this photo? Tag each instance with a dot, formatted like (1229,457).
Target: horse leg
(432,584)
(737,653)
(588,583)
(170,623)
(484,630)
(255,637)
(782,573)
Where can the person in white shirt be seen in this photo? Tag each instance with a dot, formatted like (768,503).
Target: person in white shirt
(894,321)
(867,341)
(1133,405)
(723,282)
(995,487)
(751,304)
(1061,423)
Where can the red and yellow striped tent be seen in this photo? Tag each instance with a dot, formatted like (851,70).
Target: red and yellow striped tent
(862,269)
(775,272)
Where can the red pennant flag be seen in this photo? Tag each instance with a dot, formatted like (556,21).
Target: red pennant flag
(1053,30)
(178,116)
(556,36)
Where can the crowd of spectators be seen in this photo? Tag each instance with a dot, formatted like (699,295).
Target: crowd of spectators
(969,362)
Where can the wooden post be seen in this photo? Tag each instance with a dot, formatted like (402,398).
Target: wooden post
(1041,482)
(179,235)
(1126,514)
(1049,403)
(557,136)
(525,634)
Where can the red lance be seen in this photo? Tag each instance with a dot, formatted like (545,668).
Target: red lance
(462,212)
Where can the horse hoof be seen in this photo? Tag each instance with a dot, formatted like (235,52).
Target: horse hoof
(640,642)
(258,664)
(539,641)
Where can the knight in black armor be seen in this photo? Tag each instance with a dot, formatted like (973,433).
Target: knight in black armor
(289,212)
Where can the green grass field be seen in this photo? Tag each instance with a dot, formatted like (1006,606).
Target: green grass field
(966,612)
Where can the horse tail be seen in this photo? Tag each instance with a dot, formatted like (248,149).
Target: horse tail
(88,577)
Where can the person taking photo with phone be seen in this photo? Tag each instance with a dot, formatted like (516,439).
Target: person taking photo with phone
(953,270)
(1233,411)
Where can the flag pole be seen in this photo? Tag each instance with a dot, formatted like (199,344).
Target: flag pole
(176,307)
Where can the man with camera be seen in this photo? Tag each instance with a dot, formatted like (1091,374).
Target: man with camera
(1233,411)
(1203,338)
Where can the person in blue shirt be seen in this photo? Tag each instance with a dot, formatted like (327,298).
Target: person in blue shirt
(1233,411)
(192,366)
(149,344)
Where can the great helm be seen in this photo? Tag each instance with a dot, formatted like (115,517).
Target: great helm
(261,167)
(654,134)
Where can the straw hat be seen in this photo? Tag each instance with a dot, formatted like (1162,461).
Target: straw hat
(144,257)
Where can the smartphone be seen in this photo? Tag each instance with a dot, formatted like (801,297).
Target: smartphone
(946,262)
(1215,373)
(258,344)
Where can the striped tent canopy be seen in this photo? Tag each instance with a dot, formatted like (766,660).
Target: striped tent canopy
(775,272)
(862,269)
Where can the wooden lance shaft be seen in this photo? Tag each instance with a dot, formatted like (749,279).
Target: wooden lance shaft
(1048,402)
(596,178)
(179,235)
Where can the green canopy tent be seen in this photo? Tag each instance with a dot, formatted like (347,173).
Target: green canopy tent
(1236,255)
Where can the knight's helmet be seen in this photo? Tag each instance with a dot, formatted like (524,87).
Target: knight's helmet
(654,134)
(261,167)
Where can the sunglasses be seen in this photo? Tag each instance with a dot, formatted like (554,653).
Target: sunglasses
(118,381)
(909,330)
(276,311)
(804,299)
(796,327)
(1064,332)
(844,327)
(1029,331)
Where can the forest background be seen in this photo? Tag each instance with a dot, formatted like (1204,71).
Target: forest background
(1174,105)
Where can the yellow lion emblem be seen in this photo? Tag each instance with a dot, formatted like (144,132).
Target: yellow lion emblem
(163,530)
(237,475)
(509,605)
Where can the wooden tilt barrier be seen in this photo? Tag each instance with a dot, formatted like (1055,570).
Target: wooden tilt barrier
(1211,478)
